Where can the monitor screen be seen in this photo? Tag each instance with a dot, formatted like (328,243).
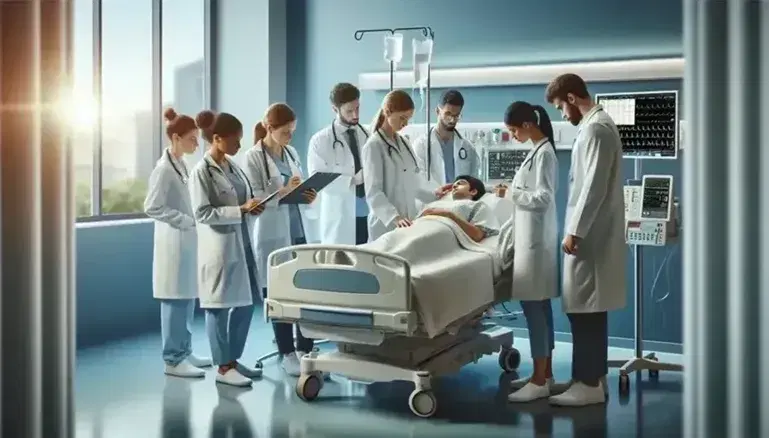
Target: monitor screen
(655,203)
(647,122)
(502,164)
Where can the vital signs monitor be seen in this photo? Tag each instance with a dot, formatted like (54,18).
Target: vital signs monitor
(502,164)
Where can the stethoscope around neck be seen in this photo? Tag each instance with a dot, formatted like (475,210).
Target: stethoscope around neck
(393,147)
(336,139)
(176,169)
(462,151)
(530,159)
(284,150)
(233,167)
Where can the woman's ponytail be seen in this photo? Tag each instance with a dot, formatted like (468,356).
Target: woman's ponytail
(260,132)
(545,125)
(378,120)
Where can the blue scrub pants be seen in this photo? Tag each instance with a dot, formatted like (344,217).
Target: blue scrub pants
(175,319)
(539,320)
(227,332)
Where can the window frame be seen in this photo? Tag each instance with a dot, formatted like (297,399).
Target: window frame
(209,60)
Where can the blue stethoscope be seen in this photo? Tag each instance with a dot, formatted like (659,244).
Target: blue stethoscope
(336,139)
(393,147)
(233,166)
(176,169)
(462,151)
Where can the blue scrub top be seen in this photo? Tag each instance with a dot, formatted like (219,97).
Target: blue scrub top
(241,190)
(448,158)
(295,217)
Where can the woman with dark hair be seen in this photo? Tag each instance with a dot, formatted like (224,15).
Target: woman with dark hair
(222,199)
(535,263)
(273,165)
(391,175)
(173,261)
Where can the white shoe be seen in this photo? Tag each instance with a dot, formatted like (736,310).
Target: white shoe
(199,361)
(184,369)
(562,387)
(530,392)
(251,373)
(290,364)
(517,384)
(233,377)
(299,354)
(580,394)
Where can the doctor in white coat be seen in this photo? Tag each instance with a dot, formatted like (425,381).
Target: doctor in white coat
(341,206)
(273,165)
(535,264)
(223,201)
(173,263)
(444,154)
(594,241)
(390,170)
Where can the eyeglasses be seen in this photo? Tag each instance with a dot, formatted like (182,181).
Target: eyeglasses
(452,117)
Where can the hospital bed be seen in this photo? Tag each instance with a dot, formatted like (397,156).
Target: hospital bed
(367,304)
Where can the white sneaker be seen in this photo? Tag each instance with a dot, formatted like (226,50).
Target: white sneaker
(517,384)
(184,369)
(562,387)
(251,373)
(199,361)
(580,394)
(299,354)
(530,392)
(290,364)
(233,377)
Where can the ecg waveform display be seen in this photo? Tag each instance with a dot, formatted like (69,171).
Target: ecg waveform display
(647,122)
(656,198)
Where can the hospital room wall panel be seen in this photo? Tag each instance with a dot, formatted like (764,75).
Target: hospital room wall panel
(323,51)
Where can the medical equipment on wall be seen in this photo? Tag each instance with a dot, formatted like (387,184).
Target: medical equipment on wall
(393,55)
(651,219)
(648,122)
(501,164)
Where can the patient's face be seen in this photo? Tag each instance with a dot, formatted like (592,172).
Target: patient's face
(461,190)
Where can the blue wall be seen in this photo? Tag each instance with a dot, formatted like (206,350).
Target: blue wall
(322,51)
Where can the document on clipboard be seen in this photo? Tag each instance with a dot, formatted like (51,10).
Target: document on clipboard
(269,198)
(317,181)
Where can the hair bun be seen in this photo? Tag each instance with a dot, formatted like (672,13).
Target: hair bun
(205,119)
(169,114)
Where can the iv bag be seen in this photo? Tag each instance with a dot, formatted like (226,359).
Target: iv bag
(423,54)
(393,47)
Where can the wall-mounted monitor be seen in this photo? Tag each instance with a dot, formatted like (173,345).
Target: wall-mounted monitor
(647,121)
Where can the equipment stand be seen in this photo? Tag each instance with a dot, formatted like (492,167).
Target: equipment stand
(639,362)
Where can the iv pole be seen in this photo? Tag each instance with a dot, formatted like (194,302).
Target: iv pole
(427,31)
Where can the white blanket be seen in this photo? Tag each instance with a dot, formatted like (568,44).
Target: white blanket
(451,274)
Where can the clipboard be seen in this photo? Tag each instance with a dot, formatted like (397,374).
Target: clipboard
(268,198)
(317,181)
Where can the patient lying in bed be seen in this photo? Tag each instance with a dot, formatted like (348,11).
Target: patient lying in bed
(465,208)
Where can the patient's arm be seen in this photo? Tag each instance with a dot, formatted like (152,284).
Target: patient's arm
(474,232)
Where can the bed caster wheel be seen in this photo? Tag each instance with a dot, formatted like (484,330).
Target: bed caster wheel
(509,360)
(423,403)
(624,384)
(308,387)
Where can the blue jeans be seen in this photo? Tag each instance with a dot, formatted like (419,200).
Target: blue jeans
(227,332)
(175,319)
(539,320)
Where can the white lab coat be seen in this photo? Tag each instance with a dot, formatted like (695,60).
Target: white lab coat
(469,165)
(173,255)
(222,269)
(272,230)
(335,205)
(392,182)
(594,278)
(535,259)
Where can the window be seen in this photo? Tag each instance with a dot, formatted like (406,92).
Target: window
(122,83)
(128,147)
(82,106)
(183,46)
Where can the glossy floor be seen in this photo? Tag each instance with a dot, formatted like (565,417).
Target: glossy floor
(121,392)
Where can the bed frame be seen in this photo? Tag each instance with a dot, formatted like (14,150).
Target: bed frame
(380,339)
